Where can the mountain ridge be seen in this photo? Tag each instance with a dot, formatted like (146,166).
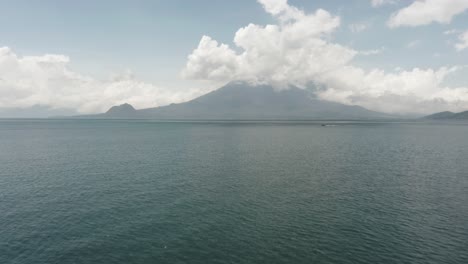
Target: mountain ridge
(447,115)
(240,101)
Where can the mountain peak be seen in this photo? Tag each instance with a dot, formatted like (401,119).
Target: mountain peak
(121,111)
(244,101)
(123,108)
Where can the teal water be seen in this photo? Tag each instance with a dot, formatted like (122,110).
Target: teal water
(99,191)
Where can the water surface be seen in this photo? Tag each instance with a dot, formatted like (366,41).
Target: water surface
(116,191)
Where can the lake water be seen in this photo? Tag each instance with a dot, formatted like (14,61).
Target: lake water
(95,191)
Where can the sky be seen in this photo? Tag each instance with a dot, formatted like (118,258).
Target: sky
(394,56)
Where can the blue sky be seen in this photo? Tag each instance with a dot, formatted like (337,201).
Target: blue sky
(153,39)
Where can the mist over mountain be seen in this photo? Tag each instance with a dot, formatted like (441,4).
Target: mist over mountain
(447,115)
(239,100)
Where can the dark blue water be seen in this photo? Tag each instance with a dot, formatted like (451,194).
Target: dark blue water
(147,192)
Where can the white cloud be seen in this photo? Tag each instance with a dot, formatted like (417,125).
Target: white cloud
(413,44)
(462,41)
(47,80)
(378,3)
(414,91)
(358,27)
(451,32)
(298,51)
(424,12)
(273,53)
(372,52)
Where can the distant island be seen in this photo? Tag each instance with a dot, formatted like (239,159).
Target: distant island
(241,101)
(447,115)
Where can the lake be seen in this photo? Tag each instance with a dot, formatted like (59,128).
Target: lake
(122,191)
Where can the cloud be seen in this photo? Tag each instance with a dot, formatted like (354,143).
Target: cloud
(451,32)
(358,27)
(413,91)
(289,52)
(424,12)
(462,41)
(413,44)
(47,81)
(298,51)
(378,3)
(372,52)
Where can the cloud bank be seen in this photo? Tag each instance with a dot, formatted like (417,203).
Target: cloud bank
(424,12)
(47,80)
(298,51)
